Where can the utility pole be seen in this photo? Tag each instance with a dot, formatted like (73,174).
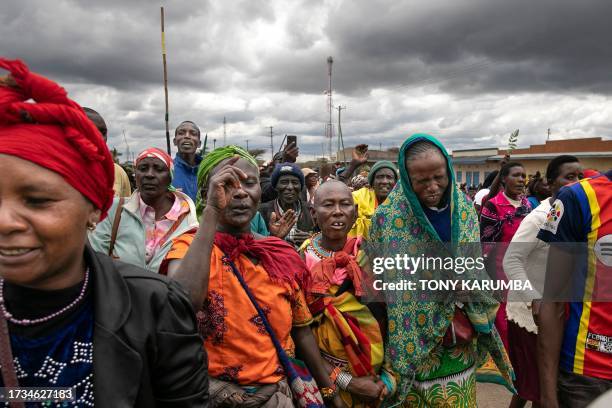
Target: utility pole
(271,142)
(380,146)
(548,137)
(224,132)
(247,144)
(329,129)
(214,144)
(340,139)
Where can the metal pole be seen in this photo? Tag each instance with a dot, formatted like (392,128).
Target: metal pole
(271,142)
(205,142)
(340,138)
(163,39)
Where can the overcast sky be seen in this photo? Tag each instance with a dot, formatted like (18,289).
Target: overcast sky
(468,72)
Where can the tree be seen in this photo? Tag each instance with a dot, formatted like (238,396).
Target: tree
(256,152)
(116,155)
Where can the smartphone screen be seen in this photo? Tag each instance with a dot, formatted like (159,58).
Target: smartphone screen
(291,139)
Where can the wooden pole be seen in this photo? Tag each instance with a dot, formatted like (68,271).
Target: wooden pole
(163,40)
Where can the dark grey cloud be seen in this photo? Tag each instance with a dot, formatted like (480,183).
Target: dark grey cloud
(540,46)
(466,71)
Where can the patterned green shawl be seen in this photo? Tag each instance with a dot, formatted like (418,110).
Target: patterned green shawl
(400,226)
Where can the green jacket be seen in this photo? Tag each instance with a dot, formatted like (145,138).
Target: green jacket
(130,241)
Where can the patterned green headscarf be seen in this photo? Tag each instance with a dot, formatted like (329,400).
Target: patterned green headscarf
(415,326)
(210,161)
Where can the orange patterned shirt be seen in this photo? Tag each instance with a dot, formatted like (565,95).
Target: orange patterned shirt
(239,348)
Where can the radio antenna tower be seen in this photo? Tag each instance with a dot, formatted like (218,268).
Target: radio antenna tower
(329,128)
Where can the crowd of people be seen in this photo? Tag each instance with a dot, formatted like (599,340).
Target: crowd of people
(219,282)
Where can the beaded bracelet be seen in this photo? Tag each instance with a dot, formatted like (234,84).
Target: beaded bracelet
(329,393)
(334,374)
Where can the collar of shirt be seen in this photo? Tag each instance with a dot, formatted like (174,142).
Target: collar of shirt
(180,206)
(178,160)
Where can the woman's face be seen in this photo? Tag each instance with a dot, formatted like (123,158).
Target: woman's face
(514,182)
(152,178)
(334,210)
(428,177)
(43,226)
(244,201)
(542,189)
(312,179)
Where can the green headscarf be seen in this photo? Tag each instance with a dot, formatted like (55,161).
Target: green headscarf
(416,327)
(210,161)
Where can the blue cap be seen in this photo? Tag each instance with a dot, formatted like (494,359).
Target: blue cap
(286,168)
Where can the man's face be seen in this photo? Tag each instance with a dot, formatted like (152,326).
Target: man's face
(288,188)
(187,138)
(568,173)
(384,181)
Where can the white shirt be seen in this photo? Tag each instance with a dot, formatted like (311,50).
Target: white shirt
(480,195)
(524,260)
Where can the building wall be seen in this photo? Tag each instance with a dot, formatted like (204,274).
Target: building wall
(531,167)
(481,169)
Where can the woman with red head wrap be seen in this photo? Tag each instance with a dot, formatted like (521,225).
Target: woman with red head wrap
(140,231)
(57,326)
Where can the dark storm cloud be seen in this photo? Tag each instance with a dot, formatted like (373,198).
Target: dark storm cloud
(478,45)
(466,71)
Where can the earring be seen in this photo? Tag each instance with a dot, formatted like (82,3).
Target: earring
(92,226)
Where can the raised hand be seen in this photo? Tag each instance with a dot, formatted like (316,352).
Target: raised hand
(222,183)
(360,154)
(280,227)
(290,153)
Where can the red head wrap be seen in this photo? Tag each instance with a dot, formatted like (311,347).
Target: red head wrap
(157,154)
(54,133)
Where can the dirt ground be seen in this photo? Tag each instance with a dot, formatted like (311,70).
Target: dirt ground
(493,396)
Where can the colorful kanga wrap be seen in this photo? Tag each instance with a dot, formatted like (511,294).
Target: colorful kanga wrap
(210,161)
(154,152)
(366,202)
(54,133)
(416,327)
(347,333)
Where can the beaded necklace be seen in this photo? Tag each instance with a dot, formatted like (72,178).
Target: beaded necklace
(30,322)
(317,249)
